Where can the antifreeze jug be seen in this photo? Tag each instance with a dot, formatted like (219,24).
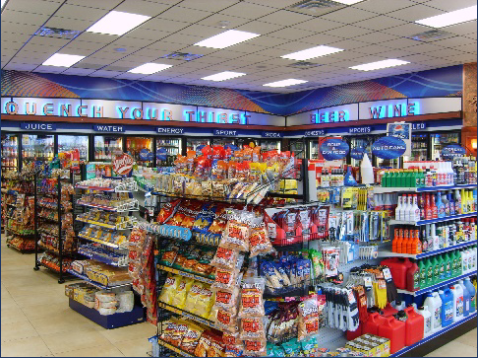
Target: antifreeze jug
(433,301)
(471,291)
(466,299)
(394,330)
(457,301)
(427,317)
(413,277)
(414,326)
(447,307)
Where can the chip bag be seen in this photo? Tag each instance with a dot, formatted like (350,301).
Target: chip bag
(308,318)
(204,303)
(203,344)
(192,297)
(191,338)
(169,289)
(179,298)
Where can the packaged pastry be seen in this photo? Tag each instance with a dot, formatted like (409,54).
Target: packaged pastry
(236,236)
(227,320)
(308,318)
(225,258)
(227,299)
(255,348)
(259,242)
(216,349)
(225,280)
(191,338)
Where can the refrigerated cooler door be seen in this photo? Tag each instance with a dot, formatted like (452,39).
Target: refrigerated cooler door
(141,148)
(313,148)
(167,151)
(38,148)
(419,147)
(67,143)
(194,143)
(298,148)
(251,142)
(267,145)
(9,153)
(105,146)
(441,140)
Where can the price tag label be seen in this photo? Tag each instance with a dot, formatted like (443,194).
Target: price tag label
(387,274)
(368,282)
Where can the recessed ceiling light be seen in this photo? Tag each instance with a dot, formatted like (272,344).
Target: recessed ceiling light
(348,2)
(149,68)
(285,83)
(450,18)
(312,53)
(117,23)
(226,39)
(62,60)
(379,65)
(222,76)
(3,3)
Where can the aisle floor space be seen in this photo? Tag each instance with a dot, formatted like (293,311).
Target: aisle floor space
(36,320)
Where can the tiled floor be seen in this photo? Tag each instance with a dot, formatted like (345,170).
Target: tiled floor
(36,321)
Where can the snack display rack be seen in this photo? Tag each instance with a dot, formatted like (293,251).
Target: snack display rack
(18,219)
(55,247)
(103,232)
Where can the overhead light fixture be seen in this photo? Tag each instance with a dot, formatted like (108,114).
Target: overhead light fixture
(285,83)
(149,68)
(450,18)
(379,65)
(226,39)
(3,3)
(222,76)
(312,52)
(117,23)
(348,2)
(62,60)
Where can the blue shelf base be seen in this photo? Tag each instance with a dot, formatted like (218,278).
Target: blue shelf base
(117,320)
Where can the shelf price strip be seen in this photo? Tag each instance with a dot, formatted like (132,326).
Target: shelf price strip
(188,315)
(186,274)
(174,349)
(432,221)
(115,246)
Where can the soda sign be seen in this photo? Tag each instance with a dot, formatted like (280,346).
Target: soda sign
(123,164)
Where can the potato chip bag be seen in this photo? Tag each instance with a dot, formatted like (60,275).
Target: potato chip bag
(167,211)
(203,344)
(252,328)
(192,297)
(170,328)
(191,338)
(179,298)
(216,349)
(204,303)
(169,289)
(308,318)
(179,332)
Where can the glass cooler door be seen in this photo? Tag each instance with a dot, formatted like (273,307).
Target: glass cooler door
(9,153)
(441,140)
(105,146)
(167,151)
(270,144)
(419,147)
(313,148)
(37,147)
(298,148)
(194,143)
(141,148)
(223,141)
(67,143)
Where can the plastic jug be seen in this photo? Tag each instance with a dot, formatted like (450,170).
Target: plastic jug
(447,307)
(414,327)
(423,267)
(427,317)
(351,335)
(413,278)
(471,291)
(448,265)
(394,330)
(398,268)
(457,301)
(441,269)
(466,299)
(373,322)
(433,301)
(436,272)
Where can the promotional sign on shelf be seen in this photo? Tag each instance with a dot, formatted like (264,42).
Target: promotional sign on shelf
(451,151)
(334,149)
(123,164)
(403,131)
(161,154)
(389,148)
(357,153)
(145,154)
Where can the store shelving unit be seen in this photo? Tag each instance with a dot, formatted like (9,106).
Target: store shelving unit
(387,253)
(42,223)
(437,286)
(433,221)
(385,190)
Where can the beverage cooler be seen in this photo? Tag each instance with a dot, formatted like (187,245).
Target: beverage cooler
(241,142)
(105,146)
(419,147)
(298,148)
(10,152)
(440,140)
(313,148)
(141,148)
(193,143)
(270,144)
(67,143)
(37,148)
(167,151)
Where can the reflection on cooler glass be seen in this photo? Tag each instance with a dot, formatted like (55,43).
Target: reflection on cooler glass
(37,148)
(67,143)
(9,152)
(141,149)
(167,151)
(106,146)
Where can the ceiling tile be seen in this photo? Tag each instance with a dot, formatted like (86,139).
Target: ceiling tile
(318,25)
(277,4)
(201,31)
(382,7)
(19,67)
(396,53)
(79,45)
(285,18)
(462,29)
(407,30)
(33,7)
(166,46)
(399,43)
(379,23)
(348,44)
(376,37)
(80,13)
(447,52)
(103,4)
(248,10)
(130,76)
(348,31)
(246,47)
(69,24)
(99,38)
(182,14)
(467,48)
(19,28)
(127,41)
(414,13)
(321,39)
(146,34)
(24,18)
(216,21)
(349,15)
(208,5)
(106,74)
(266,41)
(163,25)
(94,60)
(142,7)
(423,47)
(455,42)
(464,58)
(185,40)
(77,72)
(290,34)
(447,5)
(259,27)
(49,69)
(417,58)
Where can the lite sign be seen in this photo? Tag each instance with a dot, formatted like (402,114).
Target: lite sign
(124,110)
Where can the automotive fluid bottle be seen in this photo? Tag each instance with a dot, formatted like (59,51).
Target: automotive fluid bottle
(440,207)
(413,278)
(423,267)
(452,203)
(466,299)
(447,316)
(458,301)
(458,202)
(436,272)
(441,268)
(433,301)
(427,317)
(471,291)
(448,265)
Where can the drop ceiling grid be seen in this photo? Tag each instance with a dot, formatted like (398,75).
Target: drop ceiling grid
(368,31)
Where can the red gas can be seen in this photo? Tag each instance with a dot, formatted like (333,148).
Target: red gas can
(394,330)
(398,268)
(372,324)
(351,335)
(414,326)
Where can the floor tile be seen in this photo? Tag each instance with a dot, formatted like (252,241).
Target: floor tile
(135,331)
(468,338)
(70,341)
(71,322)
(454,349)
(54,298)
(100,351)
(30,347)
(12,315)
(17,330)
(135,348)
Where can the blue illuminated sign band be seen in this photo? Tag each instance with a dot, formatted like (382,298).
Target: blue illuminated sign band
(49,127)
(225,132)
(272,134)
(170,130)
(108,129)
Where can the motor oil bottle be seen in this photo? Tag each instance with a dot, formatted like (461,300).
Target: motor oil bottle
(436,271)
(422,266)
(448,265)
(441,268)
(413,277)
